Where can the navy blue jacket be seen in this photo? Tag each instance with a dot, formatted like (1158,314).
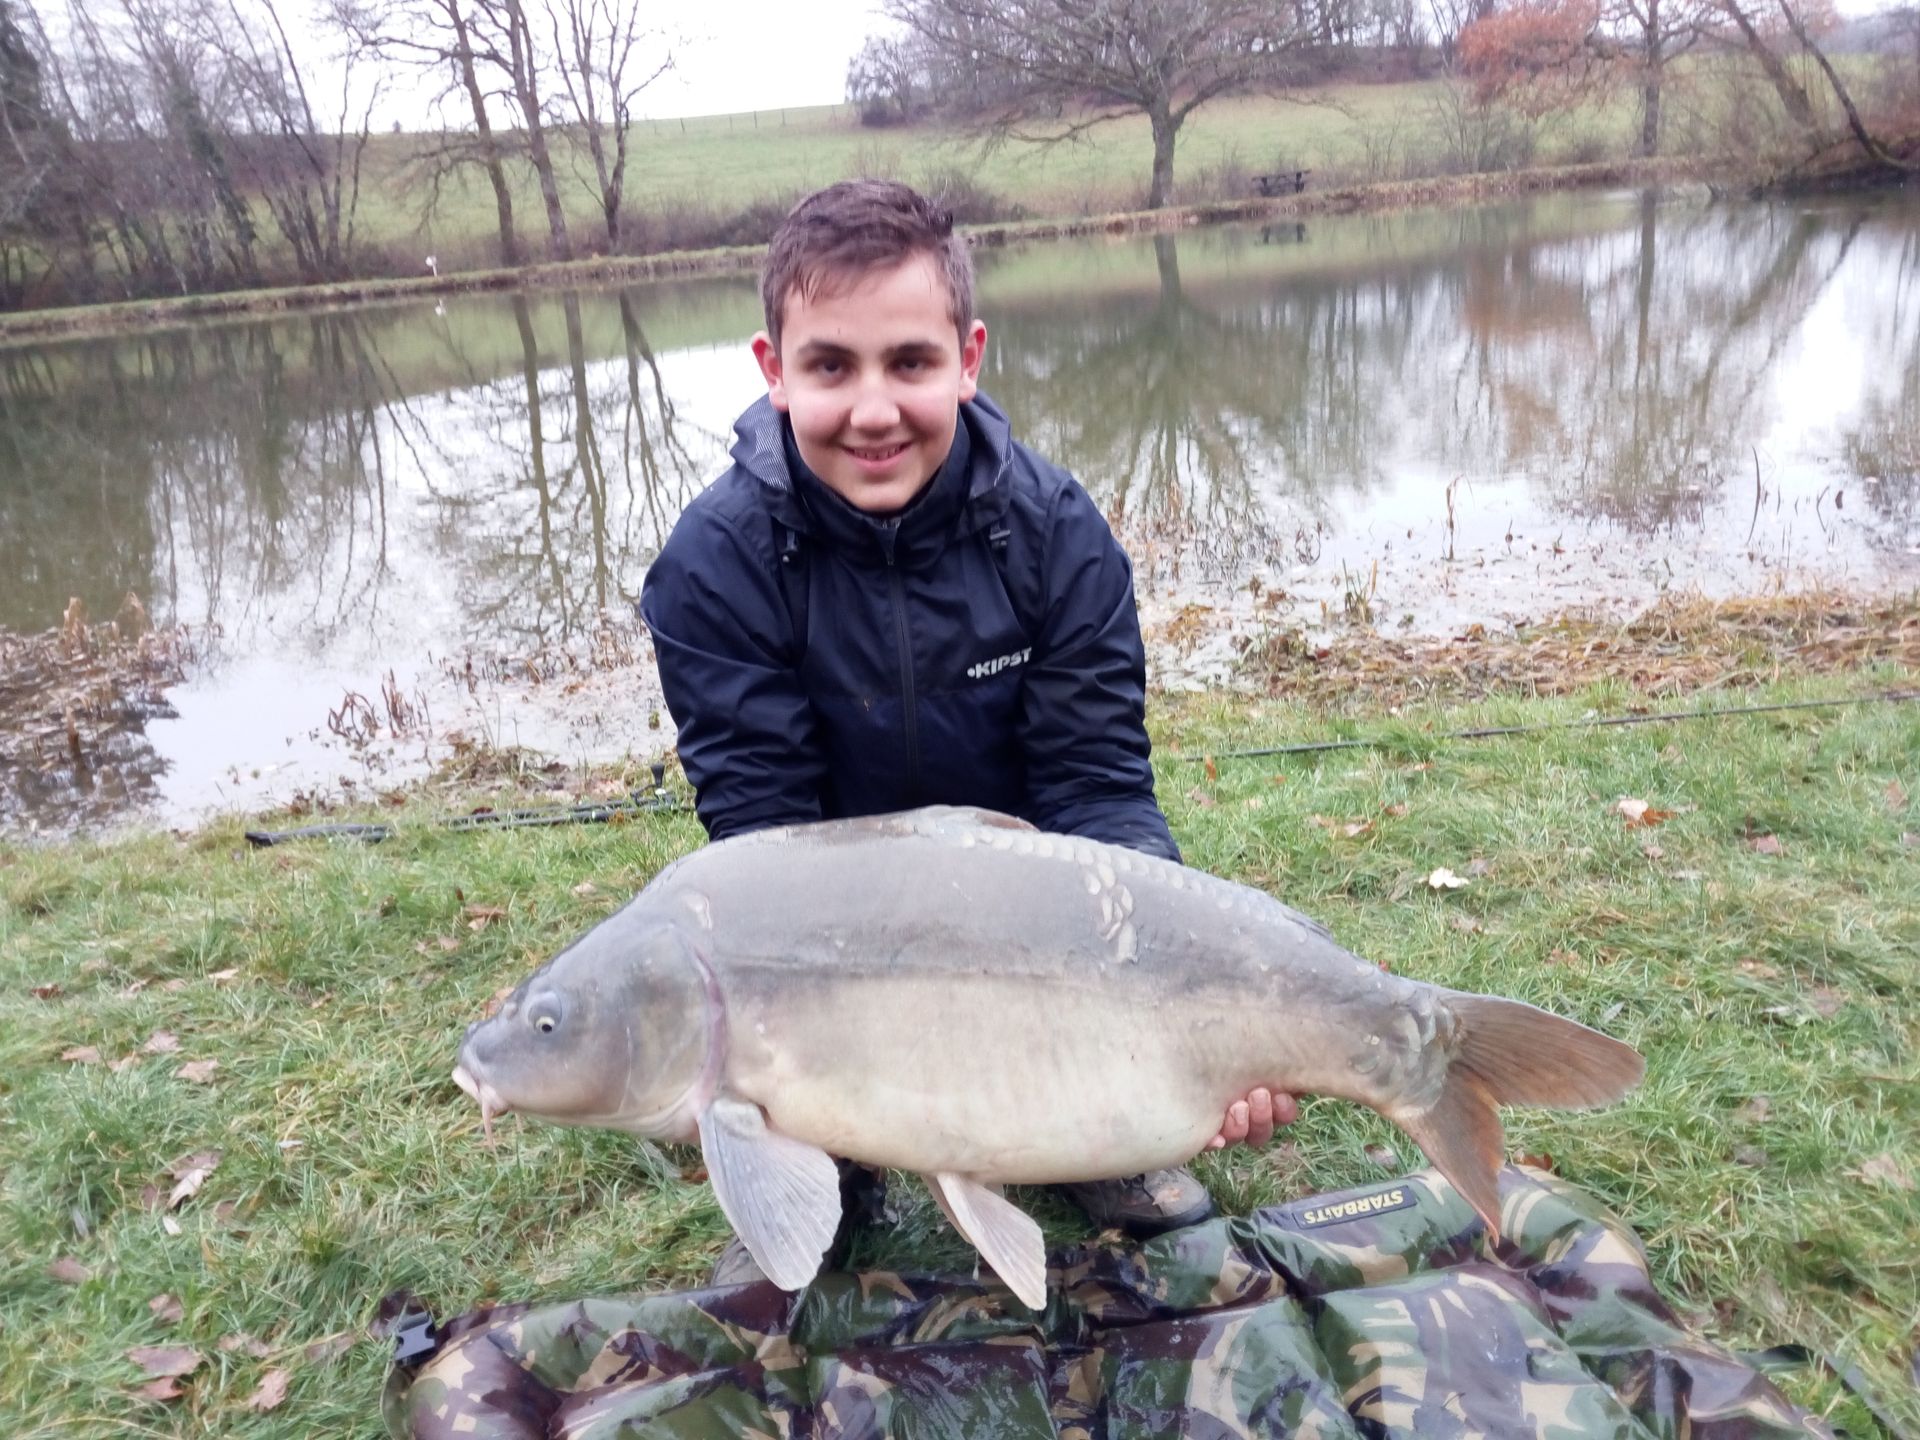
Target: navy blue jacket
(980,648)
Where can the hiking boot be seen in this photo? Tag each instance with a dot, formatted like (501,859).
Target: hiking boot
(863,1201)
(1149,1204)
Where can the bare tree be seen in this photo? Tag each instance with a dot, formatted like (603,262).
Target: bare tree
(888,81)
(599,47)
(308,173)
(437,37)
(1073,64)
(510,47)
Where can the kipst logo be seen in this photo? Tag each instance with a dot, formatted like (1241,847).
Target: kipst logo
(999,663)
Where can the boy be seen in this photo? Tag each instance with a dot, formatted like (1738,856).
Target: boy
(887,602)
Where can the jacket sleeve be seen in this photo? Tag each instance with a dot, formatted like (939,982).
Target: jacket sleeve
(1083,711)
(749,740)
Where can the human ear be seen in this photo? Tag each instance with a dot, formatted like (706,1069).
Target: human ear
(973,350)
(767,356)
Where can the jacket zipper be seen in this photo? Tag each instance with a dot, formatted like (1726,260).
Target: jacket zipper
(898,589)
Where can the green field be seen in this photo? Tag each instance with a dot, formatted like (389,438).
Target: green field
(1758,946)
(717,166)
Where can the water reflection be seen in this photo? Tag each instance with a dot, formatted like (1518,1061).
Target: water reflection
(1575,400)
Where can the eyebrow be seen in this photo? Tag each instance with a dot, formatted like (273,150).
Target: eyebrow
(827,350)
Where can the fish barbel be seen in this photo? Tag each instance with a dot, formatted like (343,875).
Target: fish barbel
(954,993)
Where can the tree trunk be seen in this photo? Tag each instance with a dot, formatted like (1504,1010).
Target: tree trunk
(1651,74)
(1165,129)
(526,90)
(1784,85)
(489,150)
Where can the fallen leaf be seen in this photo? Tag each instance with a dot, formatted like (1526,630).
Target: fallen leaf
(1385,1156)
(1653,851)
(448,943)
(167,1389)
(69,1271)
(1826,1001)
(161,1042)
(1477,866)
(481,916)
(1767,845)
(1201,798)
(1467,924)
(173,986)
(1213,770)
(1444,879)
(1398,812)
(1754,1111)
(1896,796)
(271,1390)
(81,1055)
(191,1174)
(1276,779)
(200,1072)
(1884,1170)
(1538,1162)
(1759,969)
(48,991)
(220,977)
(495,1001)
(165,1359)
(586,888)
(167,1308)
(246,1344)
(1751,1156)
(1557,956)
(1638,812)
(322,1351)
(1252,802)
(169,1224)
(285,1145)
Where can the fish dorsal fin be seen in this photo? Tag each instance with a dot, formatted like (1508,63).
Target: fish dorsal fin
(1004,1234)
(781,1195)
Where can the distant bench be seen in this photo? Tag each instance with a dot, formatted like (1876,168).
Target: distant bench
(1284,182)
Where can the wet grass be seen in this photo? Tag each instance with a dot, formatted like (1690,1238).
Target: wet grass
(330,983)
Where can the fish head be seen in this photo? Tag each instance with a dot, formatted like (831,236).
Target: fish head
(616,1030)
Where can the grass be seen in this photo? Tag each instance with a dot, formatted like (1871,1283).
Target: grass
(331,982)
(726,163)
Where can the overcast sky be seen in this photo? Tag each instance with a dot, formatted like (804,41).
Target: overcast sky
(738,55)
(760,54)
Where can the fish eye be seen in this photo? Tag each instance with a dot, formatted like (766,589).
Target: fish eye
(546,1014)
(545,1024)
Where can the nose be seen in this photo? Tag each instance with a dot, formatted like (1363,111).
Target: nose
(874,408)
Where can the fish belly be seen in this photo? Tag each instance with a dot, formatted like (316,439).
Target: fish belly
(1017,1007)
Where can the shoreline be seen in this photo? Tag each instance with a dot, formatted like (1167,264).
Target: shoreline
(130,317)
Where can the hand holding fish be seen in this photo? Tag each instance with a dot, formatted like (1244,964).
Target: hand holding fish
(1251,1121)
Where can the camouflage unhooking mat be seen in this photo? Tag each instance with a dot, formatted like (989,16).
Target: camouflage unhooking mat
(1370,1313)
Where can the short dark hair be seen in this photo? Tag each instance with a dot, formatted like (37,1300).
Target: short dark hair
(854,227)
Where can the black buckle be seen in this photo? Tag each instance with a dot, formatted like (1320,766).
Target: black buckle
(415,1339)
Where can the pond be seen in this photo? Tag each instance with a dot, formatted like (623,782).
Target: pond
(439,514)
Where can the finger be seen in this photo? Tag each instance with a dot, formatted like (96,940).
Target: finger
(1286,1108)
(1259,1117)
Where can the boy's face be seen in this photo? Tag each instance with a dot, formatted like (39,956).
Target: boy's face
(873,375)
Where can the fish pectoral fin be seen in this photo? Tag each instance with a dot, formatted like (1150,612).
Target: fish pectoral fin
(1005,1235)
(781,1195)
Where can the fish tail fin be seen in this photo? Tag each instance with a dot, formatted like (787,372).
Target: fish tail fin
(1505,1052)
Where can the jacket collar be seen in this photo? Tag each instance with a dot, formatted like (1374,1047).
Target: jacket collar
(968,493)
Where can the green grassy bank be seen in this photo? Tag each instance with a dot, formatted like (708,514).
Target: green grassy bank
(226,1122)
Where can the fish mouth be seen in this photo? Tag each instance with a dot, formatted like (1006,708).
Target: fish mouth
(490,1102)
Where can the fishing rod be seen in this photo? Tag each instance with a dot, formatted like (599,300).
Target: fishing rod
(638,802)
(1309,747)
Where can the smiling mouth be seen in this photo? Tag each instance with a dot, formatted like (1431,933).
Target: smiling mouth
(879,454)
